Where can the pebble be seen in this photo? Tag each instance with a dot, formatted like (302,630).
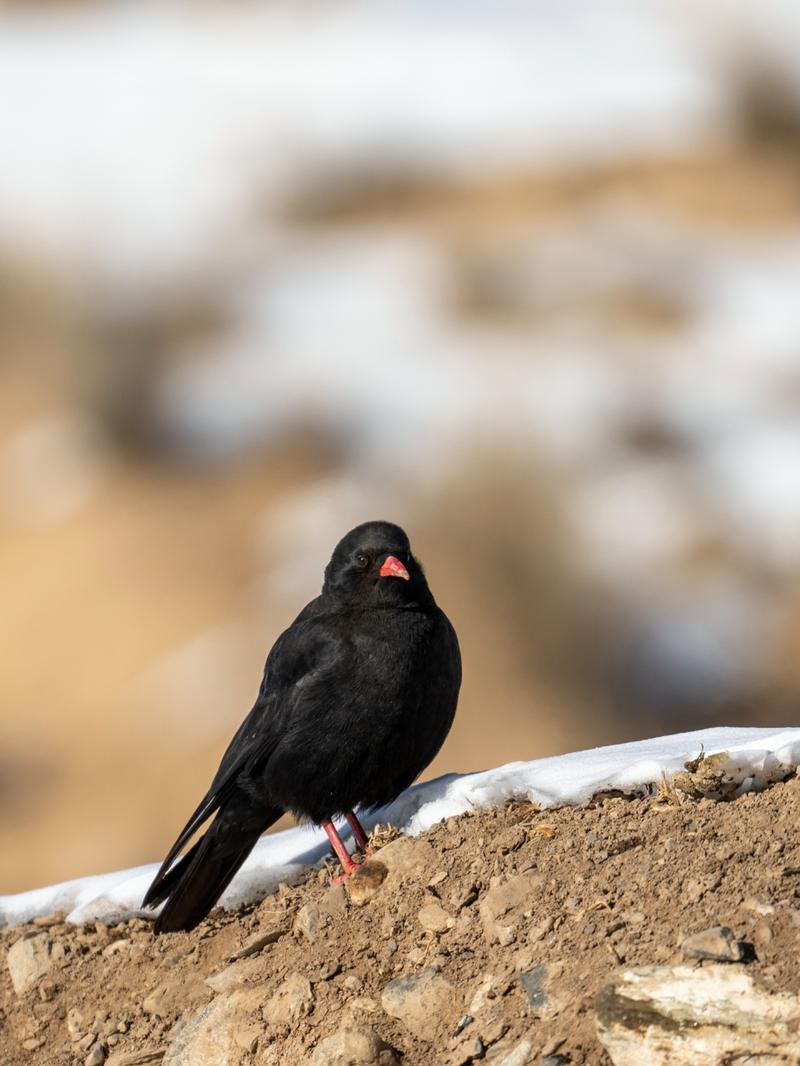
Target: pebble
(434,918)
(717,943)
(219,1033)
(258,941)
(146,1057)
(404,856)
(533,983)
(234,975)
(96,1056)
(155,1002)
(486,991)
(115,947)
(28,960)
(420,1001)
(762,934)
(353,1046)
(501,907)
(464,897)
(464,1021)
(517,1056)
(76,1024)
(758,907)
(366,882)
(313,918)
(291,1001)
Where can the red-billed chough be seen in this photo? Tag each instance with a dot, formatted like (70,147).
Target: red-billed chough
(357,697)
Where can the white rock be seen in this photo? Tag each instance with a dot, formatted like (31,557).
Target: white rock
(671,1016)
(28,959)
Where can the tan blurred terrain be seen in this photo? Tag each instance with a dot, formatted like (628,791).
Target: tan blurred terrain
(576,384)
(134,637)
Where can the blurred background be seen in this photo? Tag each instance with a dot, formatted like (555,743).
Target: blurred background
(524,278)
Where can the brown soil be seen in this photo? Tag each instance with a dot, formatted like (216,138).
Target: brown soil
(620,882)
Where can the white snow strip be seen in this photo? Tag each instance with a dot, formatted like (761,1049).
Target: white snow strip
(757,758)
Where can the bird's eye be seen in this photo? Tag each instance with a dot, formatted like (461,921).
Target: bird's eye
(362,561)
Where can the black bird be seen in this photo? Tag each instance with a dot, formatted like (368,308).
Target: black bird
(357,697)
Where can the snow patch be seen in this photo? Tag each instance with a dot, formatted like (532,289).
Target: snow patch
(756,758)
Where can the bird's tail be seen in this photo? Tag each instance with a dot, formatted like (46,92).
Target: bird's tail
(194,884)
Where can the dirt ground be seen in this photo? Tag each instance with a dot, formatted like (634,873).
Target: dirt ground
(513,918)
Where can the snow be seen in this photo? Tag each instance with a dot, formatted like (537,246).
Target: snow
(756,757)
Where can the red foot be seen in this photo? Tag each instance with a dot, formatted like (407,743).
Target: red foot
(342,854)
(359,834)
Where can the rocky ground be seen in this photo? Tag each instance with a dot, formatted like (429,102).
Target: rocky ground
(513,936)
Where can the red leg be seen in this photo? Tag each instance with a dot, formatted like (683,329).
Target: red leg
(337,844)
(359,834)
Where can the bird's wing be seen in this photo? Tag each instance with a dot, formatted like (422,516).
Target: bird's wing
(303,653)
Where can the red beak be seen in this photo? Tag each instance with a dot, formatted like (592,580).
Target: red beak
(394,568)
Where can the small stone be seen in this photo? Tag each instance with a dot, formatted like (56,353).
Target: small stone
(357,1008)
(533,983)
(485,992)
(434,919)
(48,990)
(329,969)
(76,1024)
(762,934)
(717,943)
(353,1046)
(28,960)
(405,856)
(438,877)
(115,947)
(366,882)
(540,931)
(96,1056)
(464,897)
(291,1001)
(462,1024)
(517,1056)
(246,1038)
(258,941)
(146,1057)
(155,1002)
(210,1037)
(313,918)
(501,906)
(492,1031)
(33,1043)
(758,907)
(694,889)
(419,1001)
(234,976)
(44,921)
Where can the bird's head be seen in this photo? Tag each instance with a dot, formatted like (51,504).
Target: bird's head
(373,564)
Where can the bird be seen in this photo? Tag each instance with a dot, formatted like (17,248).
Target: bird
(357,697)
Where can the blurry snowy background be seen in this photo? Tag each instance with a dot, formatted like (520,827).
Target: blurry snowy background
(524,278)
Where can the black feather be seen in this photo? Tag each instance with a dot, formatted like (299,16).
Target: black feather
(357,697)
